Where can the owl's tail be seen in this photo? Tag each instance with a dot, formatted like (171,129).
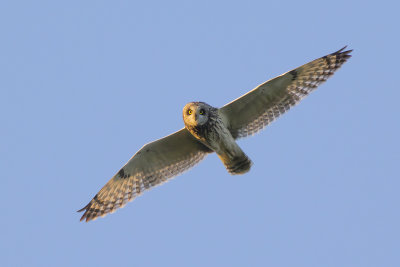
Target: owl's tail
(238,164)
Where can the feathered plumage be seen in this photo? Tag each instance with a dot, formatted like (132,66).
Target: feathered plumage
(208,129)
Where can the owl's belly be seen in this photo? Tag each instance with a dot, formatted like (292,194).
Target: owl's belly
(219,139)
(233,157)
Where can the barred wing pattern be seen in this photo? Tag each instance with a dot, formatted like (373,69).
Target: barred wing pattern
(253,111)
(152,165)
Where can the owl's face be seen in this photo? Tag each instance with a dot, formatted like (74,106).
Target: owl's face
(196,113)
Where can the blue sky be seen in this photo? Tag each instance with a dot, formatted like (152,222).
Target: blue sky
(84,84)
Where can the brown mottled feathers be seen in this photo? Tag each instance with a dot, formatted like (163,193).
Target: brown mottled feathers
(253,111)
(152,165)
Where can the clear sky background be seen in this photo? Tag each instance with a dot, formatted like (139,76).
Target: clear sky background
(84,84)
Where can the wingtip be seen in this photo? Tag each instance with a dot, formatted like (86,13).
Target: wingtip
(84,208)
(341,51)
(84,214)
(85,218)
(343,48)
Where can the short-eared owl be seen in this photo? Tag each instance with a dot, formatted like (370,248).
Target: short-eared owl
(208,129)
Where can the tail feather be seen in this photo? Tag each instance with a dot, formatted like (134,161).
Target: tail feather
(237,165)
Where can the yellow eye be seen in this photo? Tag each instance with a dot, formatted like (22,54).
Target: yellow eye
(189,111)
(202,112)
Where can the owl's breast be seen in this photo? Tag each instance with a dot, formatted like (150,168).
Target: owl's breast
(213,134)
(200,132)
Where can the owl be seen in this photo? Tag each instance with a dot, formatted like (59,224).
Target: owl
(209,129)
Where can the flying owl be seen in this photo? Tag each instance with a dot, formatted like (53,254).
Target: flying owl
(209,129)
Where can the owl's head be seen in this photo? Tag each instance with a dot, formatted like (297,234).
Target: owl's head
(196,113)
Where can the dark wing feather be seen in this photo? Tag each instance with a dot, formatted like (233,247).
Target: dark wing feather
(152,165)
(253,111)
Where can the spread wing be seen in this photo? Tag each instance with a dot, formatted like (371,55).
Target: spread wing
(253,111)
(152,165)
